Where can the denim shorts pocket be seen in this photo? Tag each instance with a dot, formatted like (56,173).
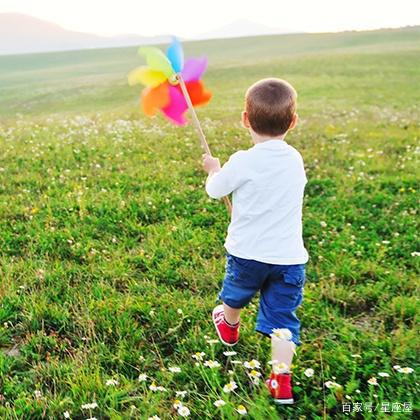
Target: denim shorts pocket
(295,275)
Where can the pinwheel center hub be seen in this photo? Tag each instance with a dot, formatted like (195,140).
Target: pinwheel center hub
(174,80)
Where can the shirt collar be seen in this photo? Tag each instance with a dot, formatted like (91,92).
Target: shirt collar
(271,144)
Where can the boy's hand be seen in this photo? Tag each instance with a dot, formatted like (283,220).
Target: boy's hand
(210,164)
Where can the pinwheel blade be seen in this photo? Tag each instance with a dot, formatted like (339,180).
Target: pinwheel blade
(198,94)
(157,60)
(176,108)
(175,55)
(194,69)
(153,99)
(146,77)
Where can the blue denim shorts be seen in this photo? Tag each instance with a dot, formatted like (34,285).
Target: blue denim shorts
(280,287)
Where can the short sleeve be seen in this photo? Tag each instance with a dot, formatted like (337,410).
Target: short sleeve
(230,177)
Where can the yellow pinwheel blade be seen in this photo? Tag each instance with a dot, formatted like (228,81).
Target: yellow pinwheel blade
(146,76)
(157,60)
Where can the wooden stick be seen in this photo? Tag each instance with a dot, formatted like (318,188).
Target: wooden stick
(200,132)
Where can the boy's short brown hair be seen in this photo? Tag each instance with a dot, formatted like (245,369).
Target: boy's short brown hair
(271,106)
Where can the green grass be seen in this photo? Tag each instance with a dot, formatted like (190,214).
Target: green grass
(111,253)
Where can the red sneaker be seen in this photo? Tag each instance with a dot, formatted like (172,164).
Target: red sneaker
(280,387)
(228,334)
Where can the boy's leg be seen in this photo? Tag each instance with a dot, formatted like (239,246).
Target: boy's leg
(280,297)
(228,333)
(282,352)
(232,315)
(242,281)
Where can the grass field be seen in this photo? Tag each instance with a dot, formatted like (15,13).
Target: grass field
(111,253)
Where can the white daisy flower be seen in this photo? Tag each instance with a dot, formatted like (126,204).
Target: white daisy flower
(309,372)
(153,387)
(184,411)
(241,410)
(254,374)
(230,353)
(383,374)
(111,382)
(66,415)
(282,333)
(198,356)
(332,385)
(89,406)
(181,394)
(373,381)
(142,377)
(212,364)
(174,369)
(253,364)
(154,418)
(177,404)
(229,387)
(405,370)
(219,403)
(280,368)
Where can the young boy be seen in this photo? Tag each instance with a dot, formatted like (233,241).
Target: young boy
(265,250)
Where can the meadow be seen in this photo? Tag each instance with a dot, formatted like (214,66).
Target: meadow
(111,254)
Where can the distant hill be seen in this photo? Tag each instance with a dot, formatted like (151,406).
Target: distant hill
(21,33)
(242,28)
(25,34)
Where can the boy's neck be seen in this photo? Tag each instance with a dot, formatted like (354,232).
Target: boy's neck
(258,138)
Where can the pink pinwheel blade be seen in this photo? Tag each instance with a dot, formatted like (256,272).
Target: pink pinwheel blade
(194,69)
(176,108)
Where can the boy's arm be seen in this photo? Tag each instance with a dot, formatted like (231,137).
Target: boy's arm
(222,181)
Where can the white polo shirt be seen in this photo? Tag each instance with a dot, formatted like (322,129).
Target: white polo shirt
(267,182)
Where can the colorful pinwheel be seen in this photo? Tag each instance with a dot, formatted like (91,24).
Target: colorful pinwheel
(162,77)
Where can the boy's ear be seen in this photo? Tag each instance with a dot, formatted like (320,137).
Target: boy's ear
(245,120)
(294,122)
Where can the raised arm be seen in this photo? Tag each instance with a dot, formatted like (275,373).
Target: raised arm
(221,181)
